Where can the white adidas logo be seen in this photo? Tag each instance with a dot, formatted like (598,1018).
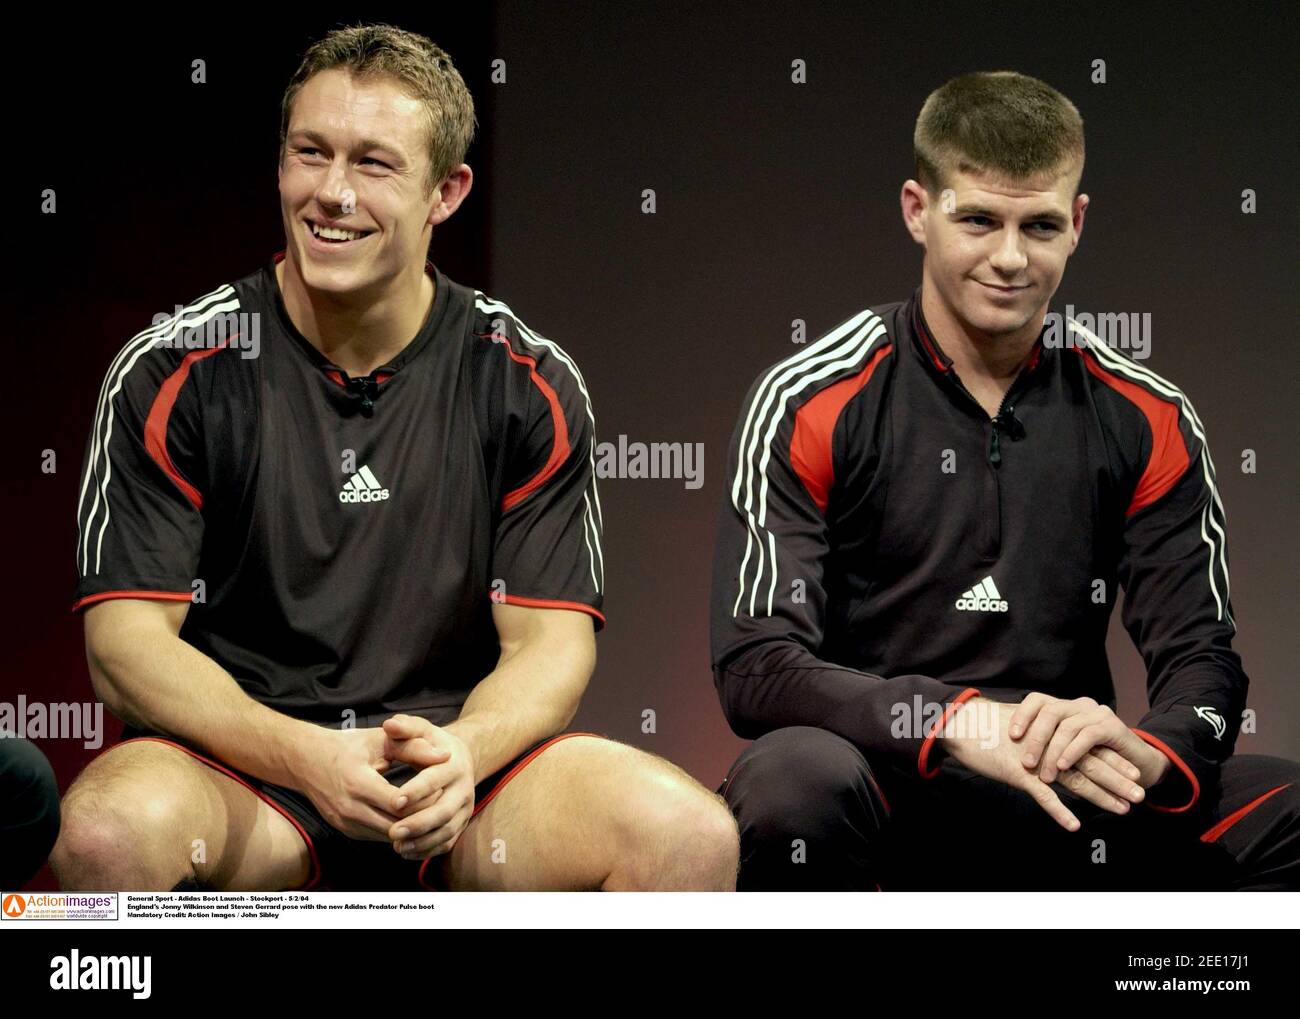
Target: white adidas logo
(363,487)
(983,597)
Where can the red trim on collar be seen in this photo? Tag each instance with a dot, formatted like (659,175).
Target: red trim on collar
(940,360)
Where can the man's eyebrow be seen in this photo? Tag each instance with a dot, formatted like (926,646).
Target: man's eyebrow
(1048,215)
(362,145)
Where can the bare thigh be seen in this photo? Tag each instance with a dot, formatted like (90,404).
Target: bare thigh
(582,813)
(151,813)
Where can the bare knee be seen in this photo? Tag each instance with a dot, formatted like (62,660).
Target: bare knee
(679,836)
(708,843)
(120,831)
(100,848)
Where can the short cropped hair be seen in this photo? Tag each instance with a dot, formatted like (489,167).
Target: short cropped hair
(422,69)
(1001,122)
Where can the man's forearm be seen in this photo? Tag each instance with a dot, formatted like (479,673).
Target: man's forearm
(156,680)
(780,683)
(498,724)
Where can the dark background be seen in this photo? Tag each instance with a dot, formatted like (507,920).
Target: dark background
(775,201)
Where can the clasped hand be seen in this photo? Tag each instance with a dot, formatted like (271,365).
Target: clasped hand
(1079,743)
(424,816)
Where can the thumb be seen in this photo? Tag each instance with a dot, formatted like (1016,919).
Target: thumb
(403,726)
(417,751)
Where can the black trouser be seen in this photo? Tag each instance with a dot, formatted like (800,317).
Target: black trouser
(29,811)
(815,814)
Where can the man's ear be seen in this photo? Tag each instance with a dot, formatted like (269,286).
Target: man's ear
(455,188)
(914,204)
(1080,207)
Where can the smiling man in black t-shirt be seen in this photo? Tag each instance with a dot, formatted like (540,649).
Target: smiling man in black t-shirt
(339,556)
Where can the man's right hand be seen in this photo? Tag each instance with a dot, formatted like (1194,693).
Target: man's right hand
(974,744)
(342,774)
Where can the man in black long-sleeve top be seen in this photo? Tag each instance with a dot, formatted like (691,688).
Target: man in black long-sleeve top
(929,513)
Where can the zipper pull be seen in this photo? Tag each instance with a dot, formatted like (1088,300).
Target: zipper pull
(995,453)
(367,388)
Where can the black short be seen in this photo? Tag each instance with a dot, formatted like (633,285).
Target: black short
(340,862)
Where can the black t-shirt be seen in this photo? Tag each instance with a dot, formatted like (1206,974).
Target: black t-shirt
(342,540)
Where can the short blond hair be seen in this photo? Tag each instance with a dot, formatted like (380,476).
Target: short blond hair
(421,68)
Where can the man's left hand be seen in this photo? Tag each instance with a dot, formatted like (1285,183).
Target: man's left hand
(1058,733)
(435,805)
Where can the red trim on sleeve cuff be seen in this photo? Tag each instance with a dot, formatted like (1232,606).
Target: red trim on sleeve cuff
(548,603)
(1177,762)
(924,756)
(90,599)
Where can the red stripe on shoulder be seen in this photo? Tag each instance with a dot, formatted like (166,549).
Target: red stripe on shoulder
(560,427)
(814,427)
(155,425)
(1169,457)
